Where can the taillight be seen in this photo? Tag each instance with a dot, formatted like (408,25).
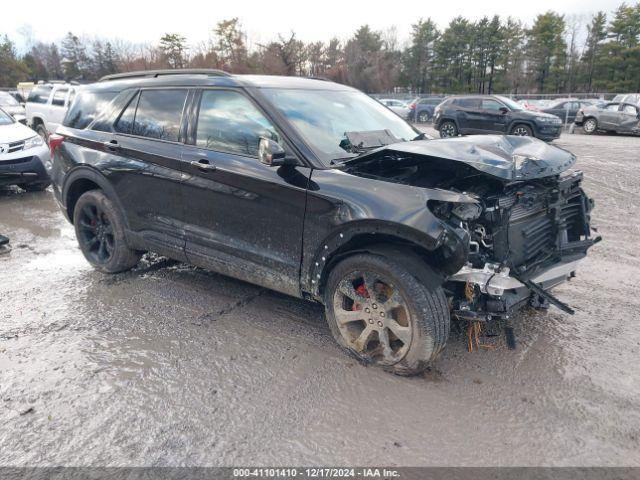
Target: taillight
(54,142)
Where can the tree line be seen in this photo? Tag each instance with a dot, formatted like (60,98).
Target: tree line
(555,54)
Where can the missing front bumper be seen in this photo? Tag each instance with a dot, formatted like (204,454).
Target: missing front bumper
(494,280)
(496,292)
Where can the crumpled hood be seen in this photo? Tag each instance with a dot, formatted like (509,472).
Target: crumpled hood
(504,156)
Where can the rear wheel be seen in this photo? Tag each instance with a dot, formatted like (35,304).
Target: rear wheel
(381,314)
(590,125)
(100,232)
(423,117)
(521,130)
(448,129)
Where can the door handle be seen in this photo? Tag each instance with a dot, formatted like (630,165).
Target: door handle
(112,146)
(203,165)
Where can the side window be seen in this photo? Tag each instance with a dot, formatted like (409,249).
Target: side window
(87,108)
(613,107)
(59,97)
(468,103)
(125,122)
(492,105)
(39,94)
(630,109)
(229,122)
(72,95)
(159,114)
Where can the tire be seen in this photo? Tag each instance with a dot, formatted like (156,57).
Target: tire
(448,129)
(589,126)
(521,130)
(421,321)
(34,187)
(423,117)
(42,131)
(99,229)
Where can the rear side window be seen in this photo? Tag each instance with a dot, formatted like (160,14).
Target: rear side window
(629,109)
(59,96)
(39,94)
(229,122)
(467,102)
(86,108)
(159,114)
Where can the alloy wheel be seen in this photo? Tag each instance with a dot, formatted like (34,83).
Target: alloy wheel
(372,317)
(423,117)
(521,131)
(589,126)
(448,130)
(96,233)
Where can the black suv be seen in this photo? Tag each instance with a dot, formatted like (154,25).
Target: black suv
(481,114)
(315,190)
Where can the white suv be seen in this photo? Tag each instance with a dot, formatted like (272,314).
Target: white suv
(47,105)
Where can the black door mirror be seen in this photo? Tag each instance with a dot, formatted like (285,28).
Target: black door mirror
(272,154)
(504,110)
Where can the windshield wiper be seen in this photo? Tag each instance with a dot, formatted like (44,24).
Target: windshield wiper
(421,136)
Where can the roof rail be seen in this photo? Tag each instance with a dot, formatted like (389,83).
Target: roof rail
(157,73)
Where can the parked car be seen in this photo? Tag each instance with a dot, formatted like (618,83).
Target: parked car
(24,156)
(633,98)
(534,105)
(613,117)
(18,96)
(10,105)
(47,105)
(482,114)
(422,108)
(315,190)
(396,106)
(567,110)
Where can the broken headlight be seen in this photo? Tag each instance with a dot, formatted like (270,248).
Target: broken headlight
(466,211)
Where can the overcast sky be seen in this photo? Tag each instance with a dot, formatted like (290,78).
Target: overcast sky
(146,21)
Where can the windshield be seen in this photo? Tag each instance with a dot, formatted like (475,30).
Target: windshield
(5,118)
(322,117)
(510,103)
(7,99)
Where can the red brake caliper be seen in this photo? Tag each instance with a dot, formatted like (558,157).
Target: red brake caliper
(362,291)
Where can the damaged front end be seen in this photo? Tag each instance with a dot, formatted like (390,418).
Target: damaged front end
(526,218)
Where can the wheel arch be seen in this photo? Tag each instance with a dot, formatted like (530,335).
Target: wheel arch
(449,119)
(81,180)
(418,253)
(37,120)
(527,123)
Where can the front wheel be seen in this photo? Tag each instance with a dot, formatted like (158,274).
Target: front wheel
(100,232)
(590,125)
(448,129)
(382,315)
(521,131)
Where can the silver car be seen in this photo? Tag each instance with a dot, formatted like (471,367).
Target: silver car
(24,157)
(11,106)
(610,117)
(396,106)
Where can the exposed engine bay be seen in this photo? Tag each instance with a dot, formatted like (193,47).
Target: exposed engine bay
(526,227)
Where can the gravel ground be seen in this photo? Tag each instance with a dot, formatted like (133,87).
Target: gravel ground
(173,365)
